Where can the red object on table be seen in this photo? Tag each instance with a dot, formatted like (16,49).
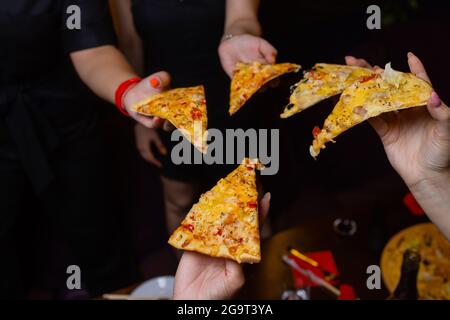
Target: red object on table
(411,203)
(326,262)
(347,292)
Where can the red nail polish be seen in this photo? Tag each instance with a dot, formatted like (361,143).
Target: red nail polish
(154,82)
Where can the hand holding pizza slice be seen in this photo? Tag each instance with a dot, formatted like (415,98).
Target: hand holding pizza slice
(321,82)
(224,223)
(185,108)
(389,90)
(248,78)
(201,277)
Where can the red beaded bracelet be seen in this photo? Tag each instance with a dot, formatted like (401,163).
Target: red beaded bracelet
(121,90)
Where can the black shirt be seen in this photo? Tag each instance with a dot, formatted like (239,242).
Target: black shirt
(42,101)
(181,37)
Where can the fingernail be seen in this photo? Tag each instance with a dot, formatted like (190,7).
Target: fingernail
(349,57)
(267,196)
(435,101)
(410,54)
(154,82)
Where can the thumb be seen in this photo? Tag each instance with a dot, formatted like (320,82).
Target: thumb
(267,51)
(147,87)
(151,85)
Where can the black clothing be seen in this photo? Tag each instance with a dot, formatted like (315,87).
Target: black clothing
(182,37)
(42,103)
(48,141)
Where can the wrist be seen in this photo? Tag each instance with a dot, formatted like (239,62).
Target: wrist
(433,195)
(122,91)
(432,192)
(429,180)
(244,27)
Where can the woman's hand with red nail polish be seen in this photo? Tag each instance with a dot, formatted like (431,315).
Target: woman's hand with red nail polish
(149,86)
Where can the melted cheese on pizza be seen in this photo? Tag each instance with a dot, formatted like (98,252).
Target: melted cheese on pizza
(224,223)
(248,78)
(185,108)
(321,82)
(367,99)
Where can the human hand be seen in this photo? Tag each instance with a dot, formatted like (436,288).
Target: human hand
(149,86)
(145,138)
(201,277)
(416,140)
(245,48)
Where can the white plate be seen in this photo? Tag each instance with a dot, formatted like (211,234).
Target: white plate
(160,288)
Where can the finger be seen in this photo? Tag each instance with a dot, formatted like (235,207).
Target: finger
(226,59)
(264,206)
(168,126)
(267,51)
(228,66)
(380,125)
(145,88)
(416,67)
(148,156)
(160,145)
(352,61)
(151,85)
(148,122)
(377,69)
(157,81)
(438,110)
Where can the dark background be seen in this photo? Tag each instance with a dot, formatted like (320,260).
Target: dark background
(352,178)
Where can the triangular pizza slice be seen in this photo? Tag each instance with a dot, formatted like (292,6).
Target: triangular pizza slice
(248,78)
(185,108)
(321,82)
(388,91)
(224,222)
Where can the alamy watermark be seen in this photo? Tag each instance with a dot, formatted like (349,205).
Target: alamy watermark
(73,281)
(73,21)
(230,147)
(374,20)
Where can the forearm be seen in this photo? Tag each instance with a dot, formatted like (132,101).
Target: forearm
(242,17)
(102,69)
(433,195)
(244,26)
(135,55)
